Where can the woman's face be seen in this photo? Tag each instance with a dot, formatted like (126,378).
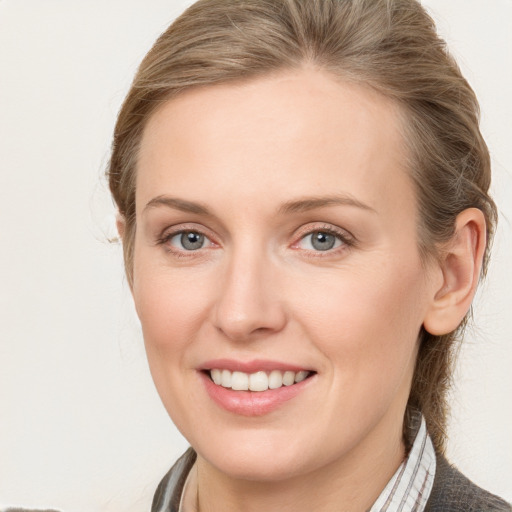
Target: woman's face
(276,232)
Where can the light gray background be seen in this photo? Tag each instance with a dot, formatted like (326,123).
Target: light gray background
(81,427)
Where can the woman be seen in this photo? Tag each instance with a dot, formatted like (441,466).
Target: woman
(303,203)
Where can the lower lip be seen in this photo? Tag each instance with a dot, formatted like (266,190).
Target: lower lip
(252,403)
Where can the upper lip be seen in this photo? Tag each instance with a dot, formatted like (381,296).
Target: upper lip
(252,366)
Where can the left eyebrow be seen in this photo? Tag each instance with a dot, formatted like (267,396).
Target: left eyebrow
(311,203)
(177,204)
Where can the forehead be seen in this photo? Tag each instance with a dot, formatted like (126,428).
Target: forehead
(296,133)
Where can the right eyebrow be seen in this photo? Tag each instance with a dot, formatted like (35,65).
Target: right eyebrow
(177,204)
(311,203)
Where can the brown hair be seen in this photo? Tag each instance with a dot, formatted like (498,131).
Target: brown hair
(389,45)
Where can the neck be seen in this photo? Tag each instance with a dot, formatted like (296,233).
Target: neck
(351,484)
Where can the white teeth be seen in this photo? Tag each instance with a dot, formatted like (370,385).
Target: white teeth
(239,381)
(275,379)
(288,378)
(225,379)
(258,381)
(300,376)
(216,376)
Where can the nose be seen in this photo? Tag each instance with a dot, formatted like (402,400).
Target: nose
(250,303)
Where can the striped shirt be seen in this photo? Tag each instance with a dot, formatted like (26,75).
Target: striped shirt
(409,488)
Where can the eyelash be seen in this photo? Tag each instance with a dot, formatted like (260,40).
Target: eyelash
(167,236)
(346,239)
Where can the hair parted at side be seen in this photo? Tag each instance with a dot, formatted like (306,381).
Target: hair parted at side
(388,45)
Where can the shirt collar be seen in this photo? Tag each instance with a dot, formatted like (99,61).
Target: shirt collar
(410,487)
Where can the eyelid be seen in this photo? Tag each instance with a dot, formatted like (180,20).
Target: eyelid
(347,239)
(206,242)
(171,231)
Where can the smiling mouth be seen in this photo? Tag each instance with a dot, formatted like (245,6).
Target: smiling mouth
(258,381)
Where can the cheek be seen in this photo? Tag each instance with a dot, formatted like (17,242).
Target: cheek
(171,310)
(171,306)
(165,297)
(367,322)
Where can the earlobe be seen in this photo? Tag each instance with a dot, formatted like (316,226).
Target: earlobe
(461,263)
(120,224)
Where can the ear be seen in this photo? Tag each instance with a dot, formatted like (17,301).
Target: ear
(121,229)
(120,224)
(460,264)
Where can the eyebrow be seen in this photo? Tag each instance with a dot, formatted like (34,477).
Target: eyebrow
(313,203)
(295,206)
(178,204)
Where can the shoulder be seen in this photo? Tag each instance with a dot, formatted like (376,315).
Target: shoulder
(452,491)
(168,493)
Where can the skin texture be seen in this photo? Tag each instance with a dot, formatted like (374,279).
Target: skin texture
(247,156)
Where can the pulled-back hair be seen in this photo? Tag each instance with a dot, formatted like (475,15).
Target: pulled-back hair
(388,45)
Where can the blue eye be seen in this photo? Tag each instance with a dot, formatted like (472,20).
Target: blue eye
(320,241)
(189,240)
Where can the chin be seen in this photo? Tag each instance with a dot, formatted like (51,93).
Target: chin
(261,457)
(251,467)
